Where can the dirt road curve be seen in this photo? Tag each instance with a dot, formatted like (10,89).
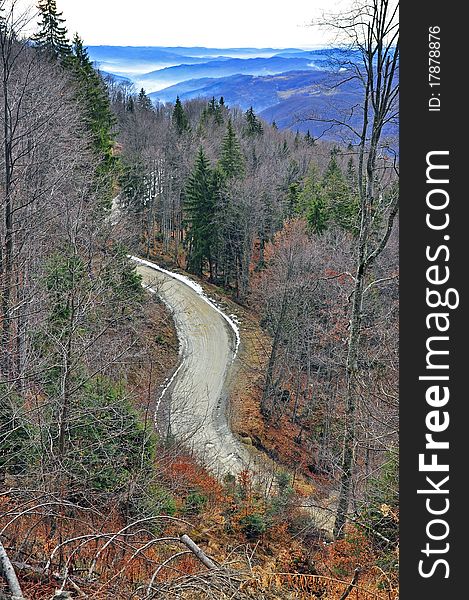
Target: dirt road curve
(197,393)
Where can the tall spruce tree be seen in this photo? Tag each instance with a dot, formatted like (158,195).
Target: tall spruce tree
(200,205)
(311,202)
(92,93)
(231,161)
(143,101)
(52,35)
(309,138)
(179,117)
(254,125)
(342,202)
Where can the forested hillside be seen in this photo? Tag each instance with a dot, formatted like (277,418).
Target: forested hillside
(294,237)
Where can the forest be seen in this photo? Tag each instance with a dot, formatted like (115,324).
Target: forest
(295,237)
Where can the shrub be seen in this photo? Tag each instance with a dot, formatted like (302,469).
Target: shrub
(195,501)
(253,526)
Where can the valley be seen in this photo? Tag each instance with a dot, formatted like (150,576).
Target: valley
(289,87)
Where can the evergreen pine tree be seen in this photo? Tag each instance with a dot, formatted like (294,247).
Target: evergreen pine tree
(201,195)
(15,446)
(309,139)
(212,105)
(339,198)
(292,198)
(143,101)
(219,114)
(231,161)
(254,126)
(318,214)
(311,202)
(52,35)
(130,106)
(94,98)
(351,174)
(179,117)
(215,109)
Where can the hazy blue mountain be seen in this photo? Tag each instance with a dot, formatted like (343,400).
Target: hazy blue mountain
(135,60)
(316,108)
(201,51)
(192,88)
(244,90)
(160,53)
(221,68)
(290,99)
(116,78)
(288,85)
(298,111)
(130,61)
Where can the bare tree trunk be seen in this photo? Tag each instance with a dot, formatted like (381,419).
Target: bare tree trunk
(7,243)
(379,53)
(9,574)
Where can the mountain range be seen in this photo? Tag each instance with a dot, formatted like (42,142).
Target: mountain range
(288,86)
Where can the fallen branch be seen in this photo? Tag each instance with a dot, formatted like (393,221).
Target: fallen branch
(198,552)
(37,574)
(352,584)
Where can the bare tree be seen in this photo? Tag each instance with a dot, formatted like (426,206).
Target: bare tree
(372,31)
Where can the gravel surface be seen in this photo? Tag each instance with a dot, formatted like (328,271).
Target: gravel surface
(197,394)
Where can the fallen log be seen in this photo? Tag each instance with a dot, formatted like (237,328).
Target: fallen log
(198,552)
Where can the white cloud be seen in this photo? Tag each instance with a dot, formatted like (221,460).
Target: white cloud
(213,23)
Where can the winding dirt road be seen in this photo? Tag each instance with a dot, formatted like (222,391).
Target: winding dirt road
(196,396)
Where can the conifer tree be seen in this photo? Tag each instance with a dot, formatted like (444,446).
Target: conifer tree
(341,201)
(328,200)
(52,35)
(218,114)
(200,205)
(254,126)
(179,117)
(231,161)
(212,105)
(130,105)
(215,109)
(292,198)
(93,95)
(312,204)
(143,101)
(309,139)
(318,214)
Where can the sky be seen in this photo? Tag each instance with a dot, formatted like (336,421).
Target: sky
(210,23)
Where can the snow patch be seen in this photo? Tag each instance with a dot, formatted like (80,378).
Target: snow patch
(200,292)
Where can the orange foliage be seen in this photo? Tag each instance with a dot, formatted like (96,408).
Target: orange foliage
(185,473)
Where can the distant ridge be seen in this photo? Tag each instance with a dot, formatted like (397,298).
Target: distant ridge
(285,85)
